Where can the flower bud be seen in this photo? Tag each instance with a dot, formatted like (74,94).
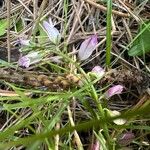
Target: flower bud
(29,59)
(98,71)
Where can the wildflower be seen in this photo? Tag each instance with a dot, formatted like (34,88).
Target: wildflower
(95,146)
(126,138)
(117,89)
(87,47)
(98,71)
(51,31)
(119,121)
(24,61)
(29,59)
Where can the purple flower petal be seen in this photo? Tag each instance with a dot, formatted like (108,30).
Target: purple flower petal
(52,32)
(117,89)
(24,61)
(126,138)
(87,47)
(99,71)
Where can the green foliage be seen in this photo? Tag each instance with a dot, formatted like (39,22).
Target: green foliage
(141,44)
(108,33)
(19,25)
(42,38)
(3,26)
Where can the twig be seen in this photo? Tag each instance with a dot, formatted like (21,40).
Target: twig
(8,31)
(38,19)
(77,138)
(12,93)
(15,9)
(24,5)
(129,11)
(57,137)
(103,8)
(75,23)
(35,6)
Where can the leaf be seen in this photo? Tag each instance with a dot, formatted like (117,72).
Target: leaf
(19,25)
(42,35)
(141,45)
(3,26)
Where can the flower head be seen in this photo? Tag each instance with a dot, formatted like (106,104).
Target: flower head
(126,138)
(98,71)
(51,31)
(87,47)
(24,62)
(117,89)
(29,59)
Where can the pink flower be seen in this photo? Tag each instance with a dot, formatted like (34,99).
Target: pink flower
(24,62)
(99,71)
(51,31)
(117,89)
(87,47)
(126,138)
(29,59)
(95,146)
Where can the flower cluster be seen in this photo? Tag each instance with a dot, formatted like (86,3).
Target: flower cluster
(86,49)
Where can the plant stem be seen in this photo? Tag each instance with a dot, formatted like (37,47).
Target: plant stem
(108,33)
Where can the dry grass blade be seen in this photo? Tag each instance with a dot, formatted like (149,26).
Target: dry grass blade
(101,7)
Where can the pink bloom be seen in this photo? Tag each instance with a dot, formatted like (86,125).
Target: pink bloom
(95,146)
(87,47)
(99,71)
(24,61)
(126,138)
(51,31)
(117,89)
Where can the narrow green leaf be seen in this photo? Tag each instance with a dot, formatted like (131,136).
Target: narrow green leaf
(19,25)
(3,26)
(141,45)
(43,35)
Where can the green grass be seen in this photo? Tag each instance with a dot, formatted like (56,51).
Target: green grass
(77,117)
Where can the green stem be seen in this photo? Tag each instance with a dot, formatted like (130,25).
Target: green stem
(108,33)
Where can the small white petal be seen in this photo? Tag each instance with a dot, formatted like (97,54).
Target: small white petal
(51,23)
(52,32)
(117,121)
